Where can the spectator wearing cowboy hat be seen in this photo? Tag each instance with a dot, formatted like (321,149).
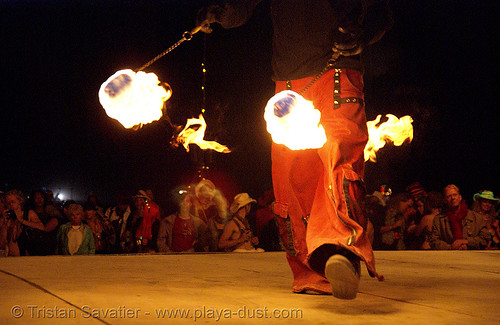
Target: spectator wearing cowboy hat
(485,204)
(237,236)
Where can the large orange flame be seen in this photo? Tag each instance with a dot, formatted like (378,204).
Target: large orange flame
(394,130)
(194,132)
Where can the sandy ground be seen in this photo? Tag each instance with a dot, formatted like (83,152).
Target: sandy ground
(420,288)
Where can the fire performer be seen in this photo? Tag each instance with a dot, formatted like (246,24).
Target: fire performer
(316,47)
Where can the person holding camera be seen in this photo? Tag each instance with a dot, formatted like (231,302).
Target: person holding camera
(23,225)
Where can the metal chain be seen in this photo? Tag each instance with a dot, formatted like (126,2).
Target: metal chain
(186,36)
(328,66)
(204,75)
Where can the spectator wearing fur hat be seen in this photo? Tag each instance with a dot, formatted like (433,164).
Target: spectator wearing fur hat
(416,190)
(418,194)
(237,236)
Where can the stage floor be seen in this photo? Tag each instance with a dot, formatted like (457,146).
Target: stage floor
(420,287)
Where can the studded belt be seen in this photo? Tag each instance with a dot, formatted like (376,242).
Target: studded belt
(337,100)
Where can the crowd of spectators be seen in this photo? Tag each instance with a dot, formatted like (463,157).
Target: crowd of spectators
(417,220)
(205,221)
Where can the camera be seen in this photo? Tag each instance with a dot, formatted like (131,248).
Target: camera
(11,214)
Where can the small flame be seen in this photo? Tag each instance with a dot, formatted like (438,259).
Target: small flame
(294,122)
(191,134)
(394,130)
(134,98)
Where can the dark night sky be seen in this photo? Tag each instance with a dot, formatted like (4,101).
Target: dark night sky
(437,64)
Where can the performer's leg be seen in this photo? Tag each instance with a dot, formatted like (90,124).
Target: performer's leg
(337,224)
(317,190)
(295,177)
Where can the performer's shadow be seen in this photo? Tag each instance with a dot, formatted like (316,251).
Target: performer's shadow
(360,306)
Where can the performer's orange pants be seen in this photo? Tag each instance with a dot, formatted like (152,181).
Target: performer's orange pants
(317,190)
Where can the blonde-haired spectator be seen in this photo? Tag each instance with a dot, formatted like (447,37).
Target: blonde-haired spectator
(75,237)
(458,228)
(210,205)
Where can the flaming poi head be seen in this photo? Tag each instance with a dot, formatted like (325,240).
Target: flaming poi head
(294,122)
(134,98)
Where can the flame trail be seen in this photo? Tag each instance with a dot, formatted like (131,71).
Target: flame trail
(191,134)
(394,130)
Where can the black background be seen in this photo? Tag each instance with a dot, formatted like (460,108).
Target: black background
(437,64)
